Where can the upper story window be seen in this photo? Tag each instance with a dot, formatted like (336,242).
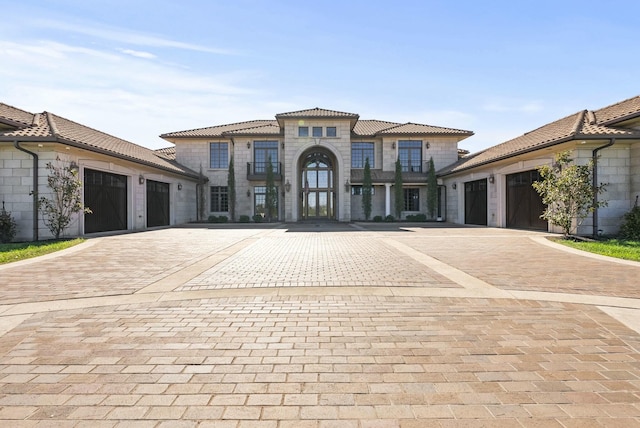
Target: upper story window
(303,131)
(317,131)
(262,152)
(410,154)
(331,131)
(359,153)
(219,155)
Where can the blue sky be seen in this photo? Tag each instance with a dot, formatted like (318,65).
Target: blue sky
(139,68)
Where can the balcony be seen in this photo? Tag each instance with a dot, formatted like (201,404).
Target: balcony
(257,171)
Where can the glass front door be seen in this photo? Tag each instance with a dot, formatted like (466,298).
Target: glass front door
(317,183)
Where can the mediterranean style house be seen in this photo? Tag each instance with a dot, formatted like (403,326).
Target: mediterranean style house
(318,159)
(493,187)
(128,187)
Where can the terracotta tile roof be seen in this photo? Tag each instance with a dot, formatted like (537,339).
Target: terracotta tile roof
(15,117)
(578,126)
(416,128)
(49,127)
(218,131)
(318,112)
(270,129)
(372,127)
(167,152)
(624,110)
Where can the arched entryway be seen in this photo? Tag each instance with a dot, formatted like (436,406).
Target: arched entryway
(317,181)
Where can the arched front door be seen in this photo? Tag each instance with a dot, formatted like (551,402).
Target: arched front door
(317,181)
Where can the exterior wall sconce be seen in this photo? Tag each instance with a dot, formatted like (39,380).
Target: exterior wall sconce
(141,179)
(346,185)
(454,186)
(491,179)
(248,193)
(427,145)
(248,144)
(282,145)
(179,186)
(73,166)
(393,145)
(287,186)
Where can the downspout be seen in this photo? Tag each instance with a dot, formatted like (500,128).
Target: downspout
(16,144)
(594,184)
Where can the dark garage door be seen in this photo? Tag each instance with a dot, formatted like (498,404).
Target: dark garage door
(157,203)
(475,202)
(106,195)
(524,204)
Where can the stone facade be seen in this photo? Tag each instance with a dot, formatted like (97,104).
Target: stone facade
(192,150)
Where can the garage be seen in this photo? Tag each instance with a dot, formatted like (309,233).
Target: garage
(105,194)
(524,204)
(475,202)
(157,203)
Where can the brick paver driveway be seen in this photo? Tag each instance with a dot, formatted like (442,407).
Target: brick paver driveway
(320,326)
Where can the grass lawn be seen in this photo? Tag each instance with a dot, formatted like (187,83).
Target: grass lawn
(26,250)
(629,250)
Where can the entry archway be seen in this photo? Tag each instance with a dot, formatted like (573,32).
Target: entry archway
(317,169)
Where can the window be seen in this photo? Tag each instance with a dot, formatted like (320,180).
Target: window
(411,199)
(219,199)
(357,190)
(359,153)
(219,155)
(303,131)
(331,131)
(262,151)
(260,200)
(317,131)
(410,154)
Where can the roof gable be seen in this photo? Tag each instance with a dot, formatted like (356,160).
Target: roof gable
(317,112)
(619,112)
(48,127)
(219,130)
(419,129)
(581,125)
(15,117)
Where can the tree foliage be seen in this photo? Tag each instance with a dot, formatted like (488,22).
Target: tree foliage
(366,190)
(567,191)
(202,180)
(65,199)
(231,186)
(398,191)
(432,190)
(271,198)
(630,228)
(8,226)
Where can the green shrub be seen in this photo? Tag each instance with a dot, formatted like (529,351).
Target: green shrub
(223,219)
(258,218)
(377,218)
(212,219)
(417,217)
(244,219)
(630,228)
(7,226)
(389,218)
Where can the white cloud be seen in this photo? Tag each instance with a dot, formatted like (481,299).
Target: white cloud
(120,93)
(138,54)
(122,35)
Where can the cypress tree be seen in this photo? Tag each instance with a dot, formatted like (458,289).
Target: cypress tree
(432,190)
(231,187)
(398,191)
(366,190)
(271,198)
